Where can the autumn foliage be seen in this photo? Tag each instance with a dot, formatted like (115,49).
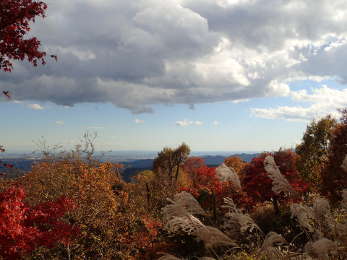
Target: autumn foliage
(119,220)
(72,207)
(257,183)
(192,164)
(334,178)
(16,16)
(313,150)
(236,163)
(209,189)
(23,228)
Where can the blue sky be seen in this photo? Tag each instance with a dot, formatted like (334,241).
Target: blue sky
(220,75)
(222,126)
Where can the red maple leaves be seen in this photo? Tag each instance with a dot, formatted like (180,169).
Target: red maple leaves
(14,24)
(257,183)
(24,228)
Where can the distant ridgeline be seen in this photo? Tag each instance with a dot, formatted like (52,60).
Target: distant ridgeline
(131,167)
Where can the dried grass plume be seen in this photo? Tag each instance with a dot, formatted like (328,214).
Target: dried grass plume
(279,182)
(224,173)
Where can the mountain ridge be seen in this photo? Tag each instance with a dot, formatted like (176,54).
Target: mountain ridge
(131,166)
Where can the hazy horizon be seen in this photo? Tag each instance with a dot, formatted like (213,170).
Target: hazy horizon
(124,155)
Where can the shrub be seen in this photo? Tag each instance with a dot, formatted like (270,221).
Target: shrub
(25,228)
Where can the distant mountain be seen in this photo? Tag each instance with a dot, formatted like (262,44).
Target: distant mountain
(132,167)
(19,163)
(135,166)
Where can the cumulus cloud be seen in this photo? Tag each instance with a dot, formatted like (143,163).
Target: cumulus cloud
(320,102)
(215,123)
(139,121)
(201,51)
(186,122)
(35,107)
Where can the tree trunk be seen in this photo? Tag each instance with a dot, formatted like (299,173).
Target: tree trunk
(177,172)
(148,195)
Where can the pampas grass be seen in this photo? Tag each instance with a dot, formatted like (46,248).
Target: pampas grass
(185,225)
(189,203)
(183,204)
(224,173)
(212,237)
(237,224)
(166,256)
(321,249)
(325,227)
(304,216)
(269,248)
(279,182)
(179,220)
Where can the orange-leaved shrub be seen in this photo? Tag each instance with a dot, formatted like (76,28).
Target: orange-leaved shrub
(94,190)
(236,163)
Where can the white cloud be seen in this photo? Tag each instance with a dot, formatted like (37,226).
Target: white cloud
(186,122)
(215,123)
(138,121)
(276,88)
(284,112)
(321,102)
(183,123)
(35,106)
(59,122)
(200,51)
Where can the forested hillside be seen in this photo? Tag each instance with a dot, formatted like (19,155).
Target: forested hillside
(269,208)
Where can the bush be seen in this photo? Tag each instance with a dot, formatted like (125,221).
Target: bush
(24,229)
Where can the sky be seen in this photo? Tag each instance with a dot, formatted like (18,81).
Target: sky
(220,75)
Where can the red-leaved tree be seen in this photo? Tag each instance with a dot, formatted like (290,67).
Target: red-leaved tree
(193,163)
(24,228)
(15,17)
(334,178)
(258,185)
(210,191)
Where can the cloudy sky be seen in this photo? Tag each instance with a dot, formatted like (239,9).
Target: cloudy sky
(216,74)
